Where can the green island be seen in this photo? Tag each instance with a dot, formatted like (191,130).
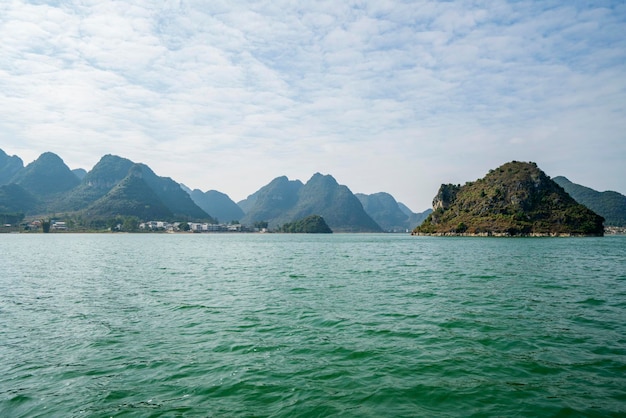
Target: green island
(313,224)
(515,199)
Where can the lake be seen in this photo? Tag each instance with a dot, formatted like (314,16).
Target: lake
(280,325)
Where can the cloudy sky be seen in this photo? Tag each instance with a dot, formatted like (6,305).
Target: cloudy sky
(385,95)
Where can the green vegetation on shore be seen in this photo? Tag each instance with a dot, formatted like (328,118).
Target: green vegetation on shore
(313,224)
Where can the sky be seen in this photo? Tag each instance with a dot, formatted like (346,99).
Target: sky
(385,95)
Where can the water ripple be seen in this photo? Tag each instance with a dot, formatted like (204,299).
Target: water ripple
(286,325)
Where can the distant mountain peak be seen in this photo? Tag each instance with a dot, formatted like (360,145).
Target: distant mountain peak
(218,205)
(9,167)
(46,176)
(112,170)
(137,171)
(80,173)
(318,177)
(391,215)
(131,197)
(285,201)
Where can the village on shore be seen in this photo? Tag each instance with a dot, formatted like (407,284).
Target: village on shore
(149,226)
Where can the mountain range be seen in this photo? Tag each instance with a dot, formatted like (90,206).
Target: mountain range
(218,204)
(9,166)
(284,200)
(118,187)
(391,215)
(115,187)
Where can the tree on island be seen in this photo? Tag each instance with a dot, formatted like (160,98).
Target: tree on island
(313,224)
(131,224)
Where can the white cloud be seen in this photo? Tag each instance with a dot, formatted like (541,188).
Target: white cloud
(385,95)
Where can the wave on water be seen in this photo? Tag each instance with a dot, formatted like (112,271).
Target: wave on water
(362,325)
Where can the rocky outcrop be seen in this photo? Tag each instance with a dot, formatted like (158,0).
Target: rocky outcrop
(514,199)
(445,196)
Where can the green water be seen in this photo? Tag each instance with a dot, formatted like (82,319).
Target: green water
(343,325)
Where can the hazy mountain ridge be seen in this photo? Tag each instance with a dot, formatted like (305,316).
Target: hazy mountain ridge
(109,182)
(514,199)
(107,173)
(218,204)
(117,186)
(609,204)
(46,176)
(15,199)
(418,218)
(391,215)
(80,173)
(173,196)
(415,219)
(114,187)
(340,208)
(131,196)
(9,167)
(285,201)
(272,202)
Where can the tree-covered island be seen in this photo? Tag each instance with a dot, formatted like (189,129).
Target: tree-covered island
(514,199)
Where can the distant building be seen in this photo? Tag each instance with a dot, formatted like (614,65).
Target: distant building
(193,227)
(59,226)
